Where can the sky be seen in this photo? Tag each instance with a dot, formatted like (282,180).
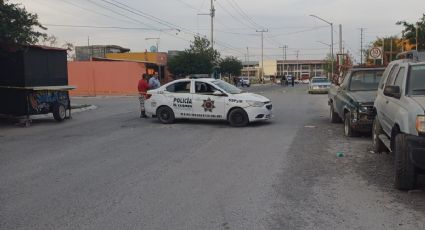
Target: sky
(175,22)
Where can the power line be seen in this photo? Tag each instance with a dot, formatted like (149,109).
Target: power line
(94,12)
(101,27)
(240,11)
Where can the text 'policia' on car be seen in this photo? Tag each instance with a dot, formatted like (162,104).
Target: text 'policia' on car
(209,99)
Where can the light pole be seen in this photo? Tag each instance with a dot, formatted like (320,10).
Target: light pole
(262,52)
(332,41)
(156,42)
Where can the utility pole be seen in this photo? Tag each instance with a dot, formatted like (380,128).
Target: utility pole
(156,42)
(262,53)
(340,39)
(332,41)
(284,47)
(247,55)
(417,36)
(212,15)
(361,45)
(391,50)
(298,66)
(284,58)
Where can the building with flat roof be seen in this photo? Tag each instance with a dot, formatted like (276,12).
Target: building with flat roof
(297,68)
(85,53)
(251,69)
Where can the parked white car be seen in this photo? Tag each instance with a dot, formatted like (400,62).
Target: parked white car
(245,81)
(319,85)
(208,99)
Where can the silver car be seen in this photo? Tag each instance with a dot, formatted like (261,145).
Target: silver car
(319,85)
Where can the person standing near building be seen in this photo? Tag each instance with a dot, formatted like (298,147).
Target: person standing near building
(143,87)
(293,81)
(154,82)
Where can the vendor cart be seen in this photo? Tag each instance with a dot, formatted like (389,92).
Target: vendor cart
(34,80)
(22,102)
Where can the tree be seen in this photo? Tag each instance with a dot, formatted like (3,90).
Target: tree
(200,58)
(328,64)
(50,40)
(410,32)
(69,50)
(17,26)
(231,66)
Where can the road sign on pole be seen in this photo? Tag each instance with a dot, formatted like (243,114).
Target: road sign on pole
(375,53)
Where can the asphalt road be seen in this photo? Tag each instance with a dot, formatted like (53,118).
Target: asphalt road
(109,169)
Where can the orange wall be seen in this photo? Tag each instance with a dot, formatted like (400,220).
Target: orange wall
(94,78)
(158,58)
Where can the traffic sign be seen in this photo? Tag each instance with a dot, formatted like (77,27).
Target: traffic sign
(375,53)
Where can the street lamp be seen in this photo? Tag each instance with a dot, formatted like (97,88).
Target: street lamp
(156,42)
(332,41)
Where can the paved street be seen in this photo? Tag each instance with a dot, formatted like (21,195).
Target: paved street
(108,169)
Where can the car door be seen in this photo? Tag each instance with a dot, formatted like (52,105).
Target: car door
(384,112)
(179,98)
(206,105)
(340,97)
(393,105)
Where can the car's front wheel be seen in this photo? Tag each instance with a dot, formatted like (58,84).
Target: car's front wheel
(238,117)
(333,115)
(348,127)
(405,175)
(165,115)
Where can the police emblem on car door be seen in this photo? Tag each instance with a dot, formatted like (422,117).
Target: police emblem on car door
(205,104)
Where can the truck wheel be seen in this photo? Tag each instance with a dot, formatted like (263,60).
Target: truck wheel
(165,115)
(405,175)
(59,112)
(378,146)
(333,116)
(238,118)
(348,129)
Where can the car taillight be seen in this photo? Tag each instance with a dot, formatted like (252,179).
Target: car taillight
(420,124)
(148,96)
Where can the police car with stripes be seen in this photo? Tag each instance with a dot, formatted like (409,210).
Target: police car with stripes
(206,98)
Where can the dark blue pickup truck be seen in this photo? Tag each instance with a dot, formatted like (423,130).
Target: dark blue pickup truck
(352,100)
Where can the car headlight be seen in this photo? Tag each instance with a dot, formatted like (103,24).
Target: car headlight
(363,109)
(420,124)
(255,103)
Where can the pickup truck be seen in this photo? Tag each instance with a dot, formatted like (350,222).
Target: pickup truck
(352,100)
(399,124)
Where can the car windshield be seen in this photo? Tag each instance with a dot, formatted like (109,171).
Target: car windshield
(227,87)
(319,80)
(365,80)
(417,80)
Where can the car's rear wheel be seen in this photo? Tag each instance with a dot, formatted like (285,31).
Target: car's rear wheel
(165,115)
(405,175)
(238,117)
(378,146)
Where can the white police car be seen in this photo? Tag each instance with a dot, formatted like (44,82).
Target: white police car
(210,99)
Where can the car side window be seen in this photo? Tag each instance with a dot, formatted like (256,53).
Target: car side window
(385,76)
(344,83)
(392,75)
(179,87)
(400,77)
(204,88)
